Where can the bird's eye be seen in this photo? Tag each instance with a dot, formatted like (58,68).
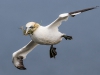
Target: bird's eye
(31,27)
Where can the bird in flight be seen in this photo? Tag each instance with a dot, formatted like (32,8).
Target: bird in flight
(43,35)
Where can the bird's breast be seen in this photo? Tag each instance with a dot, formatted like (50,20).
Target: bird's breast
(46,37)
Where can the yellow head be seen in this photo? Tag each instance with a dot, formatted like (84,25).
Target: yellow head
(31,27)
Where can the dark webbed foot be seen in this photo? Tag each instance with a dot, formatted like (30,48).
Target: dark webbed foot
(67,37)
(53,52)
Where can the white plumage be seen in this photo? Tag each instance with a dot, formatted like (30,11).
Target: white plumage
(45,35)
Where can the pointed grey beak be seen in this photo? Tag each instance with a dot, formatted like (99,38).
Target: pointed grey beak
(27,29)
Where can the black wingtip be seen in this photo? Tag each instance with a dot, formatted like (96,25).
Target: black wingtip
(21,68)
(19,63)
(83,10)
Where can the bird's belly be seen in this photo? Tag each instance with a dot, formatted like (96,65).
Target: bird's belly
(47,42)
(46,39)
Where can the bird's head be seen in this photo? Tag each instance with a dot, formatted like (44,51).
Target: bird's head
(31,27)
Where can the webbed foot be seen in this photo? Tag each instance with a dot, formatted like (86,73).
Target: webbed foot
(53,52)
(67,37)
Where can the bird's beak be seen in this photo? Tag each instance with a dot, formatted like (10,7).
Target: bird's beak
(27,30)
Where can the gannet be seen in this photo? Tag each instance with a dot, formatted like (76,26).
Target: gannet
(43,35)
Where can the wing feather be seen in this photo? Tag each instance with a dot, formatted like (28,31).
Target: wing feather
(21,54)
(64,17)
(58,21)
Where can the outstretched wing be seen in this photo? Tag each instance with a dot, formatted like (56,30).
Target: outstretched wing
(64,17)
(21,54)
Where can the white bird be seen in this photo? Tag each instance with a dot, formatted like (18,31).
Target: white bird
(45,35)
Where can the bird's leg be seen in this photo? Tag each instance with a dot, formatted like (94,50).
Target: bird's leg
(67,37)
(53,52)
